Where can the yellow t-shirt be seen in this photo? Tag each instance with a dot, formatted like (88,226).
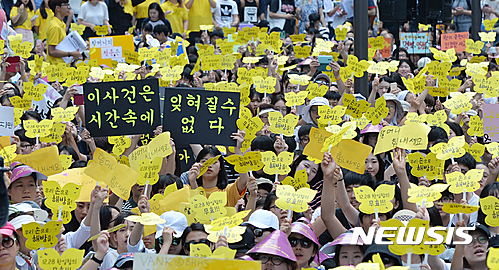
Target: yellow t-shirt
(199,14)
(233,194)
(176,17)
(43,23)
(27,24)
(56,32)
(142,9)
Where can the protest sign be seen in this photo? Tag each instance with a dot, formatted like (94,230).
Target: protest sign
(6,121)
(491,122)
(455,40)
(204,117)
(415,43)
(144,261)
(110,48)
(122,108)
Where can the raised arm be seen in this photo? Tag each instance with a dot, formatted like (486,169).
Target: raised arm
(399,156)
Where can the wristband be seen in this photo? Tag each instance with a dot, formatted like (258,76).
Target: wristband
(338,78)
(93,258)
(69,54)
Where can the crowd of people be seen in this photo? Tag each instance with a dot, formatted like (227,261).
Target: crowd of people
(309,31)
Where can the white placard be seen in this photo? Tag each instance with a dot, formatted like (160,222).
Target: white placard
(101,42)
(6,121)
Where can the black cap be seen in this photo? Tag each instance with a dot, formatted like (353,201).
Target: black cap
(247,243)
(383,251)
(494,241)
(480,227)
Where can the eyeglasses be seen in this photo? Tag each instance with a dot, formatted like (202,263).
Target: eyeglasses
(8,242)
(187,245)
(175,240)
(259,232)
(463,171)
(314,110)
(25,146)
(276,260)
(304,242)
(480,239)
(305,139)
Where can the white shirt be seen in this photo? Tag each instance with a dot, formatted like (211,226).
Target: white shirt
(79,237)
(140,247)
(493,4)
(94,14)
(110,259)
(224,12)
(328,7)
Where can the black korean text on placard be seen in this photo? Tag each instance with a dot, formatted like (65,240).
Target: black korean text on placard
(194,115)
(122,108)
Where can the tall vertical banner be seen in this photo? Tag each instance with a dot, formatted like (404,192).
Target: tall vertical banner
(415,43)
(122,108)
(491,122)
(194,115)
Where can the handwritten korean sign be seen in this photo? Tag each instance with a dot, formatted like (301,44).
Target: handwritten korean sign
(415,43)
(119,108)
(455,40)
(491,122)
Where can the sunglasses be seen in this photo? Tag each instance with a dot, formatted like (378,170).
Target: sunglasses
(175,241)
(187,245)
(259,232)
(8,242)
(304,242)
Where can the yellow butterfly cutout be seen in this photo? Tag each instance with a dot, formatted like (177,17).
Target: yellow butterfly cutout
(404,249)
(428,166)
(379,201)
(295,99)
(147,219)
(59,114)
(455,71)
(487,37)
(299,181)
(378,112)
(489,208)
(41,237)
(475,126)
(35,93)
(23,50)
(424,27)
(172,74)
(61,197)
(489,24)
(282,125)
(245,92)
(298,38)
(334,139)
(299,79)
(2,45)
(456,208)
(493,148)
(477,59)
(438,119)
(378,68)
(460,182)
(447,56)
(248,123)
(476,150)
(251,60)
(330,116)
(377,43)
(474,46)
(314,90)
(266,85)
(34,128)
(289,199)
(341,33)
(101,30)
(251,161)
(78,27)
(65,161)
(55,134)
(71,259)
(355,108)
(277,164)
(204,251)
(233,234)
(357,67)
(453,148)
(21,103)
(228,221)
(120,143)
(475,69)
(211,208)
(459,104)
(99,73)
(418,194)
(361,122)
(149,171)
(37,64)
(302,52)
(414,118)
(439,70)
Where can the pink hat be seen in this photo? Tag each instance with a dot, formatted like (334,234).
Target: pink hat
(275,244)
(344,239)
(304,220)
(370,128)
(320,257)
(246,258)
(20,170)
(303,229)
(7,230)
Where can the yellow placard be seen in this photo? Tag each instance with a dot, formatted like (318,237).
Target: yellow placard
(330,116)
(289,199)
(149,171)
(8,153)
(204,251)
(41,237)
(460,182)
(44,160)
(61,197)
(147,219)
(411,136)
(228,221)
(157,262)
(59,114)
(355,108)
(379,201)
(300,180)
(211,208)
(41,128)
(295,99)
(493,253)
(456,208)
(277,164)
(428,166)
(282,125)
(418,194)
(378,112)
(334,139)
(71,259)
(248,123)
(123,41)
(233,234)
(489,206)
(120,143)
(251,161)
(452,149)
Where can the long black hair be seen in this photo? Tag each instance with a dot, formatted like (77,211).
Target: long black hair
(156,6)
(29,5)
(222,181)
(43,12)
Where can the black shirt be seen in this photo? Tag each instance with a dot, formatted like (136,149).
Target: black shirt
(288,7)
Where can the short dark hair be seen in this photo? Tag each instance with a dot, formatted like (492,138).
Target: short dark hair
(57,3)
(161,28)
(262,142)
(304,130)
(166,180)
(437,133)
(352,178)
(332,95)
(467,160)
